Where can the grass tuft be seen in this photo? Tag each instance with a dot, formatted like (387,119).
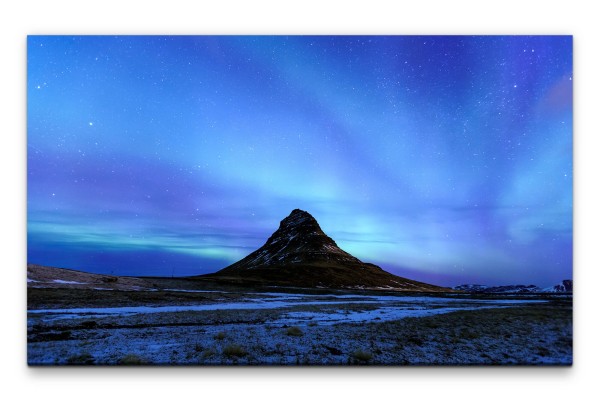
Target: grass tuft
(362,356)
(294,331)
(207,353)
(81,359)
(234,351)
(131,359)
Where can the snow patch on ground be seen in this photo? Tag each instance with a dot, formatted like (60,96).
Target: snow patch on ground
(66,282)
(131,310)
(386,307)
(382,314)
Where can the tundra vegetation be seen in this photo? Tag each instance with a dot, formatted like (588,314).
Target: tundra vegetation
(305,328)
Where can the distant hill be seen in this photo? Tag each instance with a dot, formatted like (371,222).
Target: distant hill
(55,277)
(300,254)
(566,286)
(563,286)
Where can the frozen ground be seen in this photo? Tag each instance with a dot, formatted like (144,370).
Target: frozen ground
(220,327)
(384,307)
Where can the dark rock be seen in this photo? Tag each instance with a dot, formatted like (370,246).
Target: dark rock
(333,350)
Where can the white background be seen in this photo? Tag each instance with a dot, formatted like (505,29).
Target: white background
(297,17)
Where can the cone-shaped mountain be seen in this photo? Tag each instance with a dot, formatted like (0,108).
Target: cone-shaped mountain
(300,254)
(299,239)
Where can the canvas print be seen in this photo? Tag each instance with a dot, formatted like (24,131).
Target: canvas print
(299,200)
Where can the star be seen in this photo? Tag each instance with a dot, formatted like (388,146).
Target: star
(426,140)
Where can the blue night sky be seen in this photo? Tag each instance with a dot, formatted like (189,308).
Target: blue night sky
(441,159)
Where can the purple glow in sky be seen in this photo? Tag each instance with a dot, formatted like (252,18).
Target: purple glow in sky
(446,159)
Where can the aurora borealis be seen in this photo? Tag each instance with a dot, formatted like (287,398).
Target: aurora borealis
(441,159)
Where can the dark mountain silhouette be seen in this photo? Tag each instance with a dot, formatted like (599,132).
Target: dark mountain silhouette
(508,289)
(300,254)
(565,286)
